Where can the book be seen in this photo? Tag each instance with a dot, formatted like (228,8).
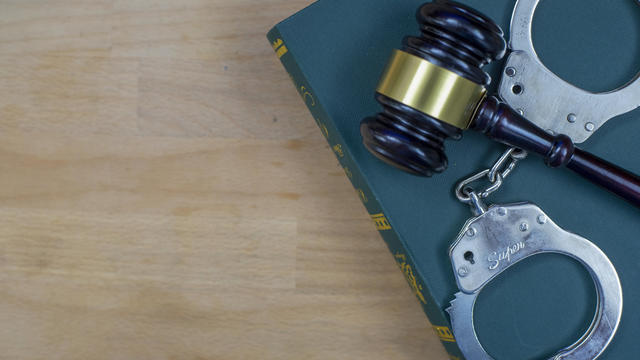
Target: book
(335,52)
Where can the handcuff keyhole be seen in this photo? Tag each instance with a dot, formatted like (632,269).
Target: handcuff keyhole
(469,257)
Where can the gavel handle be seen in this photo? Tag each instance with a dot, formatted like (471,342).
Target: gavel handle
(503,124)
(607,175)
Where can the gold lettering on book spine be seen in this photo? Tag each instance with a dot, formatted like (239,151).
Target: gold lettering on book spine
(381,222)
(444,333)
(280,48)
(337,148)
(407,270)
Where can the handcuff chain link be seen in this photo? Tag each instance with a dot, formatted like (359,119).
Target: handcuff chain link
(496,175)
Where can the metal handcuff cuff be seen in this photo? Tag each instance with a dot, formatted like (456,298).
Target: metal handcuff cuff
(434,88)
(500,236)
(525,230)
(567,109)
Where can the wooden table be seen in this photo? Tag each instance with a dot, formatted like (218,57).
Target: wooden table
(164,194)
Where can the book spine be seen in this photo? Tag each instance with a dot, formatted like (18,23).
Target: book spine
(403,258)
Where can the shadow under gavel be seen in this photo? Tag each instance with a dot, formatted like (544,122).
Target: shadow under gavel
(434,88)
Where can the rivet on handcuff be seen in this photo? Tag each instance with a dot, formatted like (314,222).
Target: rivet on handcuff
(500,236)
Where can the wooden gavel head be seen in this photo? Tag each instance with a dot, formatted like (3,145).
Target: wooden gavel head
(433,87)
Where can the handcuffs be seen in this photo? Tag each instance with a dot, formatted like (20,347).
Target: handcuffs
(500,236)
(567,109)
(504,235)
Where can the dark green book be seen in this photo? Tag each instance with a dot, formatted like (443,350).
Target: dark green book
(335,52)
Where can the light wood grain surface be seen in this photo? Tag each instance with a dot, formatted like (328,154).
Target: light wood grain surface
(164,194)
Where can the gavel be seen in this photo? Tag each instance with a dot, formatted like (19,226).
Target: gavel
(434,88)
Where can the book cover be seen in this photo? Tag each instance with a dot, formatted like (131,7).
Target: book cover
(335,52)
